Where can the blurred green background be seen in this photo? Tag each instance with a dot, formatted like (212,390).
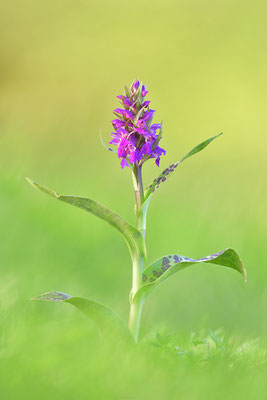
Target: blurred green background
(62,65)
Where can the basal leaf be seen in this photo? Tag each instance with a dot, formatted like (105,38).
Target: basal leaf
(164,267)
(166,173)
(133,237)
(108,322)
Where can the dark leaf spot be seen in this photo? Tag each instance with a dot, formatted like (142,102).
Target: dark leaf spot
(176,258)
(165,260)
(144,277)
(165,267)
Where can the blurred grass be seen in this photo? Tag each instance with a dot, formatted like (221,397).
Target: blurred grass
(61,66)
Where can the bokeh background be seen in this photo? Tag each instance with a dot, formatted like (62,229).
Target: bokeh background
(62,65)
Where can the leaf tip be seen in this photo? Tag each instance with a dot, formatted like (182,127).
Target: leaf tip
(244,274)
(52,296)
(219,134)
(241,267)
(42,188)
(30,181)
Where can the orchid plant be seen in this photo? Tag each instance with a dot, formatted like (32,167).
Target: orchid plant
(136,140)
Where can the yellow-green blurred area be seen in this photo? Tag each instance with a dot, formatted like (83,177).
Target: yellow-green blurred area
(62,64)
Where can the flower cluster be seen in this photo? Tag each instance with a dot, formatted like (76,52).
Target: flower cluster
(135,135)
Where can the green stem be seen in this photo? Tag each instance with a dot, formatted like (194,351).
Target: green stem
(138,261)
(138,188)
(134,319)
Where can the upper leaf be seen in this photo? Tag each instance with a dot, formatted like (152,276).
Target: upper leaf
(164,175)
(164,267)
(133,237)
(109,323)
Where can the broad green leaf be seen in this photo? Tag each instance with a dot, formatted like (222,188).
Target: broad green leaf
(133,237)
(108,322)
(166,173)
(164,267)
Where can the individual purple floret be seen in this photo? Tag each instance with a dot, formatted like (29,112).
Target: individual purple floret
(135,135)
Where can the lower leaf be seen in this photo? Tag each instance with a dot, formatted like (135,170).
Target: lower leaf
(108,322)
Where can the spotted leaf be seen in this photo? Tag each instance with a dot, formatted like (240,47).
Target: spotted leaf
(133,237)
(108,322)
(164,267)
(168,171)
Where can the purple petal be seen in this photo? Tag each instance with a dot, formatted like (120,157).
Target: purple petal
(146,104)
(154,127)
(115,141)
(117,123)
(140,130)
(119,110)
(124,163)
(128,114)
(136,85)
(148,115)
(144,91)
(127,102)
(132,157)
(146,148)
(122,131)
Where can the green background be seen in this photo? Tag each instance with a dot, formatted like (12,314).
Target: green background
(62,65)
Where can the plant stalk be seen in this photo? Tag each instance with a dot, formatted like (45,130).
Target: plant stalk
(138,188)
(138,261)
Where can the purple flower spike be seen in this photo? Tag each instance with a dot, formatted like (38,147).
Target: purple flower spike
(134,134)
